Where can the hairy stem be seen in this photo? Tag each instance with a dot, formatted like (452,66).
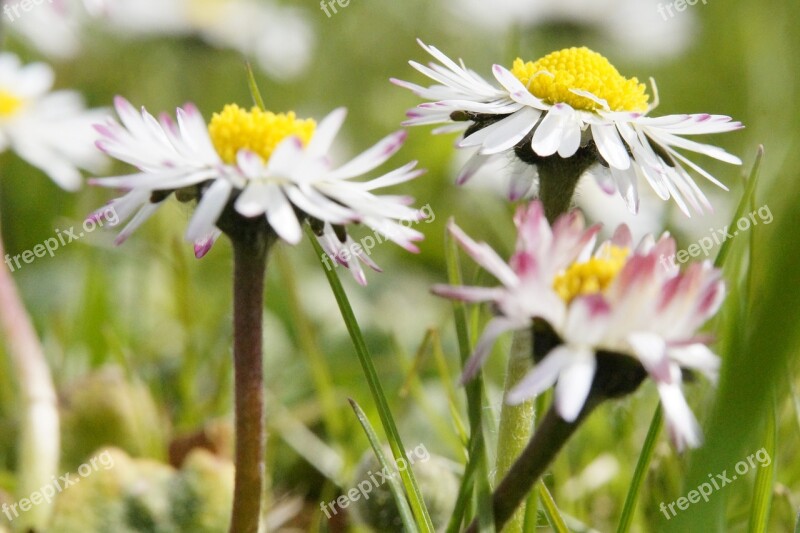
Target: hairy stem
(250,259)
(516,421)
(551,435)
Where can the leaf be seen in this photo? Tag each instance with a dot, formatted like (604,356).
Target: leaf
(642,465)
(421,514)
(395,487)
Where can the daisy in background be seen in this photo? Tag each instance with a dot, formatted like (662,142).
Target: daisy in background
(263,165)
(571,104)
(278,38)
(592,301)
(50,130)
(641,29)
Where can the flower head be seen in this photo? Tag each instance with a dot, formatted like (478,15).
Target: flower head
(569,103)
(615,298)
(260,164)
(50,130)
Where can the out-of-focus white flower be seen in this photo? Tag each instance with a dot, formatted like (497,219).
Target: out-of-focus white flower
(572,102)
(279,38)
(613,299)
(636,28)
(50,130)
(262,164)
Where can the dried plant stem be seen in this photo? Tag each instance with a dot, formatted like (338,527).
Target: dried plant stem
(39,436)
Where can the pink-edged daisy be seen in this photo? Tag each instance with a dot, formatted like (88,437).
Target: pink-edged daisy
(610,299)
(263,165)
(570,103)
(50,130)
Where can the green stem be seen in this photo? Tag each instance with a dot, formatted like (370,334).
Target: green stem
(250,260)
(558,179)
(558,176)
(516,421)
(550,437)
(365,358)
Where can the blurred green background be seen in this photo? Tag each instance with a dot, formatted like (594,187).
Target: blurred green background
(162,317)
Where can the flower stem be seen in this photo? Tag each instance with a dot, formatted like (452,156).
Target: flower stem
(39,434)
(250,260)
(558,178)
(551,435)
(516,421)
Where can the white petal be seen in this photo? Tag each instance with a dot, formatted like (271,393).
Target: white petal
(541,377)
(610,145)
(325,133)
(682,424)
(208,210)
(496,327)
(512,131)
(549,133)
(574,384)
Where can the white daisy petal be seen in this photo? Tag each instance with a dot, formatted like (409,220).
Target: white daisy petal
(493,329)
(510,131)
(627,141)
(541,377)
(610,146)
(574,383)
(616,300)
(208,210)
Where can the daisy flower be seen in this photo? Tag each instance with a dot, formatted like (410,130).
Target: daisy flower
(571,104)
(50,130)
(616,301)
(637,29)
(277,37)
(260,164)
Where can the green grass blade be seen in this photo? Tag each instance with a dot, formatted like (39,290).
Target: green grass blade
(254,91)
(474,392)
(397,490)
(744,203)
(392,434)
(464,494)
(550,510)
(442,425)
(307,340)
(765,479)
(629,509)
(447,384)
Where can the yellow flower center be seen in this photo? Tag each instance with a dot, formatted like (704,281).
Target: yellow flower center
(592,277)
(9,104)
(552,77)
(234,129)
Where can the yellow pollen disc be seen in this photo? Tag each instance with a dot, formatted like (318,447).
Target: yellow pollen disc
(551,78)
(9,104)
(592,277)
(258,131)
